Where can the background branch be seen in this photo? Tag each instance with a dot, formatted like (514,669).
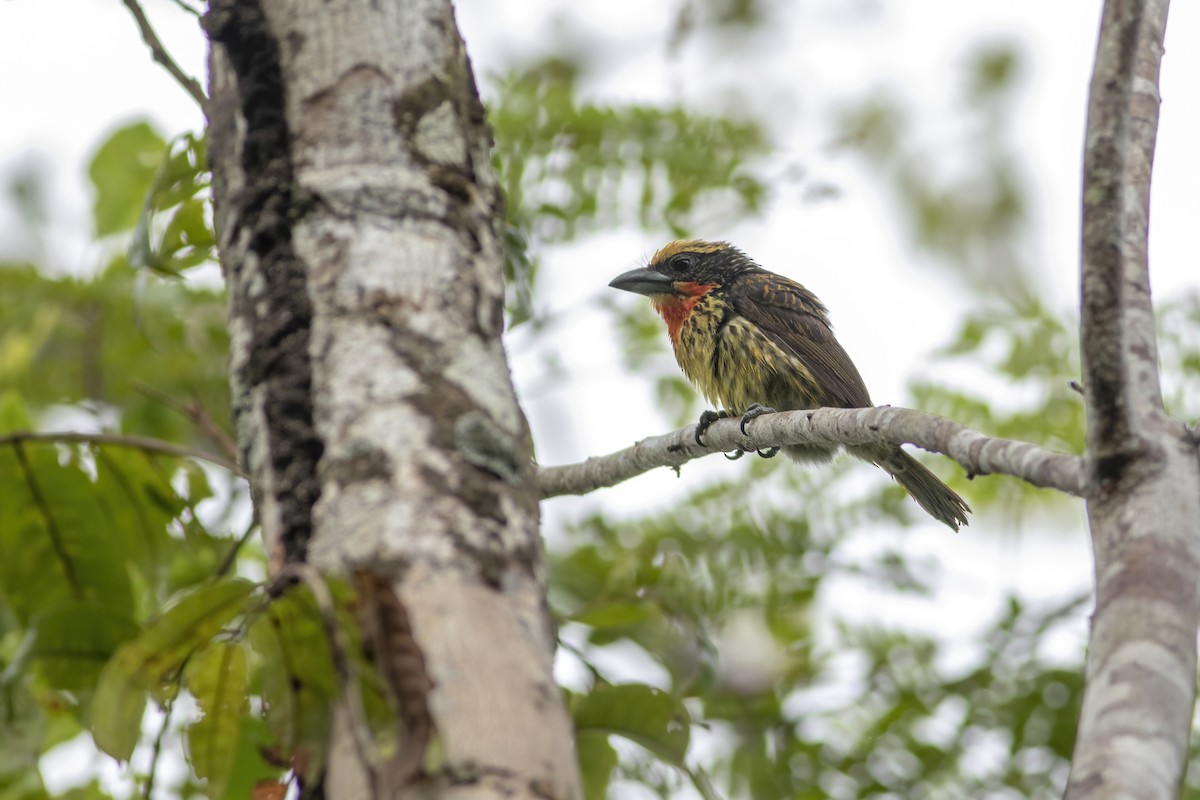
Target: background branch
(189,84)
(195,411)
(144,443)
(1143,507)
(978,454)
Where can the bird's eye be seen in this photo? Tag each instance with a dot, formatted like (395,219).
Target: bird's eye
(681,262)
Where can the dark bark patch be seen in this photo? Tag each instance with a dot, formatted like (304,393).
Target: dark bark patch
(1110,468)
(462,194)
(391,643)
(409,108)
(481,442)
(454,182)
(483,497)
(1150,574)
(367,464)
(279,368)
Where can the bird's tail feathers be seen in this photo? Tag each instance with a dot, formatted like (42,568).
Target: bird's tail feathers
(926,488)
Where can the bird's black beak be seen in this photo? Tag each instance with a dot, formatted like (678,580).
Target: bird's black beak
(644,281)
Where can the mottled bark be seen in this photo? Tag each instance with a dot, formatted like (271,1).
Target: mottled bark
(357,213)
(1143,493)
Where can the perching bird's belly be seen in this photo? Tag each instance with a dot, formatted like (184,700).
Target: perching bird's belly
(735,366)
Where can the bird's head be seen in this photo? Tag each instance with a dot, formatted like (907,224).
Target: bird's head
(681,274)
(686,269)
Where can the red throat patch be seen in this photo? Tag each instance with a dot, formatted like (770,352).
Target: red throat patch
(676,308)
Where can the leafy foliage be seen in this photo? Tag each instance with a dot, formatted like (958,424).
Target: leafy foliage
(1179,352)
(121,171)
(724,598)
(151,663)
(115,342)
(568,166)
(179,194)
(1028,359)
(111,557)
(298,688)
(654,719)
(218,677)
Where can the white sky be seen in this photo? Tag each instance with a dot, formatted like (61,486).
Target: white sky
(72,69)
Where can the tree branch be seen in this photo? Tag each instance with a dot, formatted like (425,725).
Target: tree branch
(1143,507)
(183,6)
(978,454)
(144,443)
(160,54)
(195,411)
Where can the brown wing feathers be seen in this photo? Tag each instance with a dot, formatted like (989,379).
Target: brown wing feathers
(795,320)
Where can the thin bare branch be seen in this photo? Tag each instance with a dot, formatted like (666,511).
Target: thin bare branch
(195,411)
(160,54)
(230,557)
(1143,507)
(144,443)
(184,6)
(148,787)
(978,454)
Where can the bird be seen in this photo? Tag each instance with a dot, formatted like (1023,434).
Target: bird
(753,342)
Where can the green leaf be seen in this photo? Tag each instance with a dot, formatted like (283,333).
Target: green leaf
(616,615)
(298,681)
(22,741)
(993,70)
(650,717)
(58,544)
(187,239)
(131,487)
(249,767)
(14,416)
(597,759)
(75,640)
(184,172)
(121,172)
(520,272)
(89,791)
(154,659)
(188,228)
(217,677)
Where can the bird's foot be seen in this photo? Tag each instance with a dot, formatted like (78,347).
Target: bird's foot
(755,410)
(706,421)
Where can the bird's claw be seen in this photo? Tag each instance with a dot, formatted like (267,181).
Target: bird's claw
(770,452)
(755,410)
(709,417)
(706,421)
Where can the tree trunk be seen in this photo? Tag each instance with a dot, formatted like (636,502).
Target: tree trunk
(1143,495)
(358,212)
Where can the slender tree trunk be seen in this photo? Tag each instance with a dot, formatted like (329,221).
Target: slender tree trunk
(1143,497)
(357,213)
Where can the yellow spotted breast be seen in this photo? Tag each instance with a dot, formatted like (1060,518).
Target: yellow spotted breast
(734,365)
